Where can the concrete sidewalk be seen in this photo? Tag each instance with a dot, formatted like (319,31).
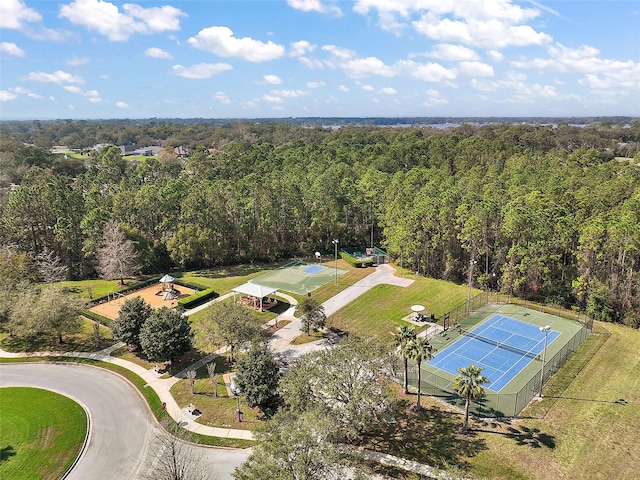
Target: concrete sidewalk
(280,343)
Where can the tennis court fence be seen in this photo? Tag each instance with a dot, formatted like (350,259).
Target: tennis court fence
(493,404)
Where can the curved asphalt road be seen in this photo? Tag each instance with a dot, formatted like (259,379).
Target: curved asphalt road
(122,429)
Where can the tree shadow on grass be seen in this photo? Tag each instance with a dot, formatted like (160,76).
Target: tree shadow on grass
(426,436)
(524,436)
(6,453)
(229,271)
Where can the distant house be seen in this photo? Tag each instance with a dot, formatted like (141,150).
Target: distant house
(181,151)
(151,151)
(127,149)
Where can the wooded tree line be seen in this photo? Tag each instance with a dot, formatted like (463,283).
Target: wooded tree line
(547,213)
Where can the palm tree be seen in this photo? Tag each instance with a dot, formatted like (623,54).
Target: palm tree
(419,349)
(401,339)
(469,385)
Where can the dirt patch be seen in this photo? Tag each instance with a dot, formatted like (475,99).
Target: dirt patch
(153,295)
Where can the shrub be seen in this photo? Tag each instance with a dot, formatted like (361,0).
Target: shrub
(197,298)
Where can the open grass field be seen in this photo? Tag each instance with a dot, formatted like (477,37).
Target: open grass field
(41,433)
(93,288)
(589,419)
(80,341)
(379,312)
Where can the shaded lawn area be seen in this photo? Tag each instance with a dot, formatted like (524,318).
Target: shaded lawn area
(216,412)
(426,436)
(98,286)
(588,421)
(379,312)
(80,341)
(42,433)
(179,363)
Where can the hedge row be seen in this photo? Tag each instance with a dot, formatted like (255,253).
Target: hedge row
(356,262)
(197,298)
(130,288)
(193,285)
(97,317)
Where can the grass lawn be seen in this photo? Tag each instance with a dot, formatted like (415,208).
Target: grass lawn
(585,428)
(98,286)
(41,433)
(216,412)
(304,338)
(179,363)
(80,341)
(590,425)
(379,312)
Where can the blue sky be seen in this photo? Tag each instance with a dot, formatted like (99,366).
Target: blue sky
(300,58)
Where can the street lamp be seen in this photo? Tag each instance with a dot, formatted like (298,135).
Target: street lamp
(546,329)
(472,262)
(335,244)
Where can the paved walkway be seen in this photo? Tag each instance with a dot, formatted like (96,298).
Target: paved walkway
(281,343)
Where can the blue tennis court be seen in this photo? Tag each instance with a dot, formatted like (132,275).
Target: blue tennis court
(313,269)
(502,346)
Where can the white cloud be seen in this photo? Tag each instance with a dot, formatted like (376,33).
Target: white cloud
(272,99)
(495,55)
(122,105)
(220,41)
(6,96)
(58,76)
(14,14)
(600,73)
(311,63)
(221,97)
(107,19)
(201,70)
(289,93)
(11,49)
(319,6)
(434,98)
(388,91)
(77,61)
(367,88)
(301,47)
(315,84)
(476,69)
(92,95)
(453,53)
(429,72)
(487,23)
(491,34)
(272,79)
(155,52)
(343,88)
(34,95)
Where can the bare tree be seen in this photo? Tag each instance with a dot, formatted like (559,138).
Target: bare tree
(211,370)
(50,266)
(117,258)
(175,457)
(97,336)
(191,375)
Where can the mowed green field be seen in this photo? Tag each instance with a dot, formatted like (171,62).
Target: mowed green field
(41,433)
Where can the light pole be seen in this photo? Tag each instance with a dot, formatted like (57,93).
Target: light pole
(472,262)
(335,244)
(546,329)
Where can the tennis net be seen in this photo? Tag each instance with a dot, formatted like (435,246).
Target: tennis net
(502,345)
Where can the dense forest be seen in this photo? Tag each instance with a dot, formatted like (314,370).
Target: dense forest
(550,213)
